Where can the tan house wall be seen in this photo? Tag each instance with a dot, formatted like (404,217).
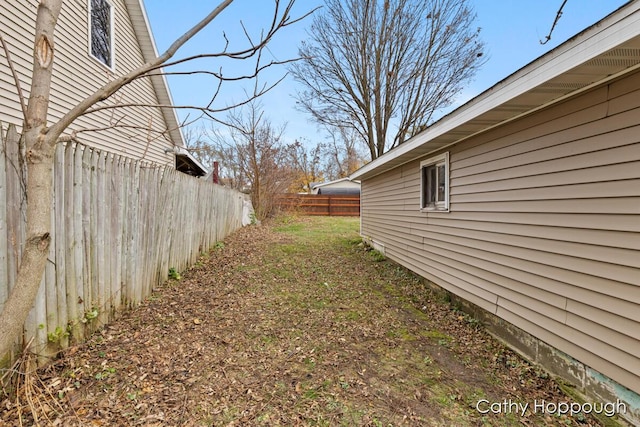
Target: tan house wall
(543,229)
(76,74)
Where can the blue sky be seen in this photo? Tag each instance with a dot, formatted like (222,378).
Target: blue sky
(511,30)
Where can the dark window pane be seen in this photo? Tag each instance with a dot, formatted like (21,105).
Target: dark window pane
(101,31)
(429,185)
(441,183)
(424,195)
(432,185)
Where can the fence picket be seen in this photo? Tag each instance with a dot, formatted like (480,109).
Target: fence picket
(60,249)
(320,204)
(69,236)
(83,301)
(4,273)
(85,163)
(92,239)
(15,201)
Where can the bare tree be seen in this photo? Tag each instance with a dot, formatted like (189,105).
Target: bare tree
(41,137)
(383,67)
(251,150)
(342,153)
(307,165)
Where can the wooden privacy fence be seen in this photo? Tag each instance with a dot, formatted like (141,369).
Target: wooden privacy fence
(320,204)
(119,225)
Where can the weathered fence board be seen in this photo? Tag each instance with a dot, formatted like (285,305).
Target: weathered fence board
(4,247)
(119,225)
(14,206)
(320,204)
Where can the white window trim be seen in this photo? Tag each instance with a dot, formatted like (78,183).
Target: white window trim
(113,36)
(442,206)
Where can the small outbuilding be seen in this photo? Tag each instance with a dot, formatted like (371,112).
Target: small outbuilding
(343,186)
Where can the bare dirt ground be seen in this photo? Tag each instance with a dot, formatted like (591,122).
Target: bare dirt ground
(288,324)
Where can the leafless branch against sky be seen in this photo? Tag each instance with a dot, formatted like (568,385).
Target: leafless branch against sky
(555,21)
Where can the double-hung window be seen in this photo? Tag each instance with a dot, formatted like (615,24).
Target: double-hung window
(434,183)
(101,31)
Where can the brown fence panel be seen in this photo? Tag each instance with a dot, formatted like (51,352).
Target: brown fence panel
(320,204)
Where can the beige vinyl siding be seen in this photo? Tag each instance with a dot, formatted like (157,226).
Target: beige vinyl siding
(544,228)
(12,17)
(76,75)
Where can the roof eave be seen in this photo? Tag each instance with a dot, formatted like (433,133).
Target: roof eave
(142,29)
(323,184)
(180,151)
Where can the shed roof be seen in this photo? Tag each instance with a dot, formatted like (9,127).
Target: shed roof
(187,163)
(330,183)
(602,52)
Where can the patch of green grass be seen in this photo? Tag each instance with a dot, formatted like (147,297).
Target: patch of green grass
(282,273)
(354,241)
(352,315)
(309,362)
(294,228)
(377,256)
(419,314)
(288,249)
(322,229)
(401,333)
(244,267)
(311,394)
(319,304)
(268,339)
(174,274)
(437,336)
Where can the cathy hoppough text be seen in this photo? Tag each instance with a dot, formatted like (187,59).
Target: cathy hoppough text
(509,406)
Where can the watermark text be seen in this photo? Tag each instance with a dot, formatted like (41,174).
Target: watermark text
(510,406)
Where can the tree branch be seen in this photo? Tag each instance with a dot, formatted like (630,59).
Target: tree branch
(207,111)
(553,26)
(110,88)
(219,76)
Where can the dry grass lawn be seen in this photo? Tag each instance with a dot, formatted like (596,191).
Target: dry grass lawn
(292,323)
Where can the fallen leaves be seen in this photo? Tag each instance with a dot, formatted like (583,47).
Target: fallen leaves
(289,328)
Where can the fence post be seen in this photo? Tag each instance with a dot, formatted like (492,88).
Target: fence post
(4,270)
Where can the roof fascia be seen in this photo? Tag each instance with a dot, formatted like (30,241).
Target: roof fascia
(184,152)
(142,28)
(322,184)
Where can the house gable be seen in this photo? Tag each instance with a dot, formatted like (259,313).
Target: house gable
(140,132)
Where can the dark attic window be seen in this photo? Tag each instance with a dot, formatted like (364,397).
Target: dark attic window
(101,31)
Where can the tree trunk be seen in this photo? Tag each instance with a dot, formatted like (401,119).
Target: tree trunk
(40,146)
(36,250)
